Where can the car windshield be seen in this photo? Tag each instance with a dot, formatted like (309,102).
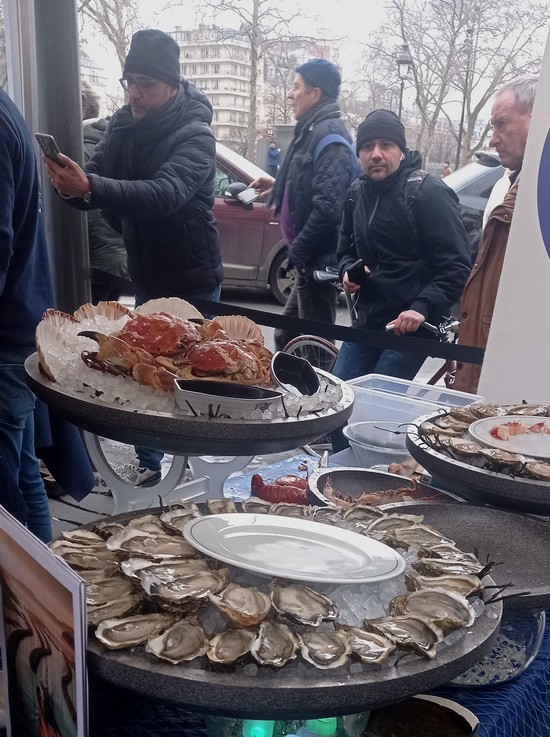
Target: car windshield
(238,161)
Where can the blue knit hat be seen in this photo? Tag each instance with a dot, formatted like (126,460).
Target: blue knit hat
(322,73)
(155,53)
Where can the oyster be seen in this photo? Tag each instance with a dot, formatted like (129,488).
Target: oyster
(275,644)
(117,634)
(83,560)
(502,460)
(175,519)
(148,523)
(184,640)
(302,604)
(464,448)
(415,535)
(155,547)
(392,522)
(132,566)
(440,567)
(121,608)
(221,506)
(447,551)
(463,414)
(106,529)
(325,650)
(230,646)
(534,410)
(365,513)
(448,422)
(446,609)
(537,470)
(410,632)
(84,538)
(170,571)
(244,605)
(255,505)
(287,509)
(464,584)
(107,590)
(368,646)
(195,586)
(331,514)
(486,410)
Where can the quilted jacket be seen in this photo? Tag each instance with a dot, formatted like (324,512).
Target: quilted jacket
(316,190)
(427,276)
(156,177)
(480,293)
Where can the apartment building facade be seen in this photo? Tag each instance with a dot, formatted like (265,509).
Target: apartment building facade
(217,61)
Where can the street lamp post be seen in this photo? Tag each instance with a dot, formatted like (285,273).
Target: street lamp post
(404,64)
(465,91)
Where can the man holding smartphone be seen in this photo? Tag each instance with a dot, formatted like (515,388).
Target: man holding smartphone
(153,175)
(310,189)
(413,250)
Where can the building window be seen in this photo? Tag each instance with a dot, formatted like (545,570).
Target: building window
(216,68)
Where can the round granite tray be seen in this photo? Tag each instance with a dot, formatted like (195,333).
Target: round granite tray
(187,435)
(478,484)
(518,544)
(276,695)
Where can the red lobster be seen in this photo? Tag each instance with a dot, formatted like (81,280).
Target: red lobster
(288,489)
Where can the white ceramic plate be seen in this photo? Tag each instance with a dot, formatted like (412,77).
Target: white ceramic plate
(293,548)
(536,445)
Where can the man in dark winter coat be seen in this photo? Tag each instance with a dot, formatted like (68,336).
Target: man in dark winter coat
(153,172)
(409,277)
(310,190)
(25,292)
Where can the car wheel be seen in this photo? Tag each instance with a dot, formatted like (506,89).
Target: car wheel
(281,278)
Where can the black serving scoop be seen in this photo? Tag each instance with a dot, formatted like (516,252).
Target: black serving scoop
(294,374)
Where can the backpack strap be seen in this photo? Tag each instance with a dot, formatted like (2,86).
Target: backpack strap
(337,138)
(412,188)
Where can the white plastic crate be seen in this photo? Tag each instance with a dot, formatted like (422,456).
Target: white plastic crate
(379,397)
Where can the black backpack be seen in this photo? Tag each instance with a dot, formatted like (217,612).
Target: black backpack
(412,188)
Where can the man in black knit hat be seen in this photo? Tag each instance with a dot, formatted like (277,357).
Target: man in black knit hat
(415,255)
(310,190)
(153,175)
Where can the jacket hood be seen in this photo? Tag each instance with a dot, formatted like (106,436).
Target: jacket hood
(93,132)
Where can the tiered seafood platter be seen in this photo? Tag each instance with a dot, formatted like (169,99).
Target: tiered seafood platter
(442,444)
(177,625)
(112,372)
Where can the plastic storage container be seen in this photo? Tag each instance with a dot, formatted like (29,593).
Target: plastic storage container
(375,443)
(379,397)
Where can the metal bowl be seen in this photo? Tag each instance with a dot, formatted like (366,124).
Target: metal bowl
(353,482)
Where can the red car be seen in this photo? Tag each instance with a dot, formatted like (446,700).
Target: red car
(253,251)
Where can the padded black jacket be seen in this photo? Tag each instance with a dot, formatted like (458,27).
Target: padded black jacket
(155,177)
(316,189)
(427,276)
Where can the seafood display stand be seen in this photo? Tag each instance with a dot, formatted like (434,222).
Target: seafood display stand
(183,436)
(232,694)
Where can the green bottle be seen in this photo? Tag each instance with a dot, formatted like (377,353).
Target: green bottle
(258,728)
(323,727)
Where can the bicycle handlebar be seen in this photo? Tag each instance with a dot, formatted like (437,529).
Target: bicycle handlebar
(328,275)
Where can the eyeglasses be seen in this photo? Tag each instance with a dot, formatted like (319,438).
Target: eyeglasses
(143,85)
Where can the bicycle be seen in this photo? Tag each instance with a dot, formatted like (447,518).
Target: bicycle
(322,354)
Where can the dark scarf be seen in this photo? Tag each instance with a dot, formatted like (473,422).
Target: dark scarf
(130,141)
(307,122)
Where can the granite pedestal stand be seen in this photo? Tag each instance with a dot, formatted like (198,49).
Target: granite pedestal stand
(478,484)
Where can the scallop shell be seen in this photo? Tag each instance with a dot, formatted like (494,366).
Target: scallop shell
(172,305)
(58,318)
(239,327)
(111,310)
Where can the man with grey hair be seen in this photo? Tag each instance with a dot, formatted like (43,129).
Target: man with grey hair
(510,119)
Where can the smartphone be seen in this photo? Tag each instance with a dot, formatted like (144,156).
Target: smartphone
(249,195)
(356,273)
(49,146)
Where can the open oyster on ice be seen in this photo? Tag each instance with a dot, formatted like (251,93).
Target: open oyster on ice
(184,640)
(275,644)
(302,604)
(117,634)
(368,646)
(244,605)
(230,646)
(410,632)
(325,650)
(446,609)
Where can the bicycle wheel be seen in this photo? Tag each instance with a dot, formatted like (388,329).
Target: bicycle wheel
(318,351)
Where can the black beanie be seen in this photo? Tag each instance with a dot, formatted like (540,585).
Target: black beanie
(322,73)
(381,124)
(155,53)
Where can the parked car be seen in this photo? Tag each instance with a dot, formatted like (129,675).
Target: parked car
(473,184)
(253,250)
